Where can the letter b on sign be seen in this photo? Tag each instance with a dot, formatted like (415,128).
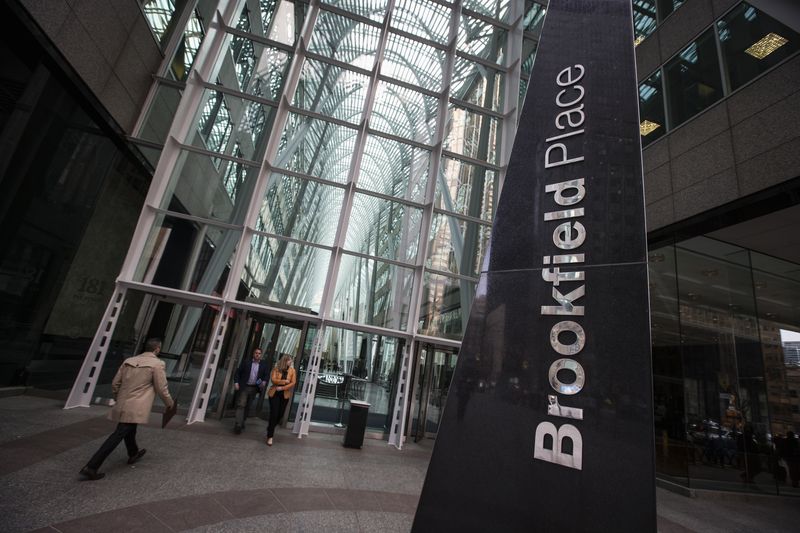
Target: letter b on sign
(554,454)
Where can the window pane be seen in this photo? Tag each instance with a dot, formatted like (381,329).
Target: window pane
(422,18)
(466,189)
(472,134)
(394,168)
(477,84)
(331,91)
(233,126)
(405,113)
(260,69)
(211,187)
(301,209)
(345,39)
(481,39)
(316,147)
(280,20)
(753,42)
(383,228)
(444,307)
(457,245)
(534,16)
(187,48)
(644,18)
(413,62)
(651,109)
(496,9)
(529,47)
(159,116)
(187,255)
(285,274)
(372,292)
(372,9)
(693,79)
(666,7)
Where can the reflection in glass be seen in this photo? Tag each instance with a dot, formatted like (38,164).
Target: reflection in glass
(472,134)
(651,109)
(233,126)
(693,79)
(372,292)
(444,306)
(477,84)
(644,19)
(726,377)
(317,148)
(742,31)
(211,187)
(301,209)
(413,62)
(394,168)
(383,228)
(371,9)
(345,39)
(187,49)
(260,69)
(666,7)
(159,115)
(457,245)
(405,113)
(534,16)
(331,91)
(466,189)
(481,39)
(187,255)
(422,18)
(283,273)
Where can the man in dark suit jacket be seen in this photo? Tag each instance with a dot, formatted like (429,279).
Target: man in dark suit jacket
(250,378)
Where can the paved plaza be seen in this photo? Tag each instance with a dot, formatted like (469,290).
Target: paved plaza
(204,478)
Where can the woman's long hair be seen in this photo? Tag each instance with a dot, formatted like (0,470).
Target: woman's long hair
(284,362)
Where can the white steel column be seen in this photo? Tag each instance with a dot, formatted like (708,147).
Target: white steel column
(202,392)
(85,383)
(302,419)
(210,48)
(397,428)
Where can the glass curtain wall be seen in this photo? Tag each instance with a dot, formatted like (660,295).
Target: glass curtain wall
(726,332)
(341,161)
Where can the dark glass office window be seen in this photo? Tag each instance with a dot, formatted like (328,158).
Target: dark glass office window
(753,42)
(693,79)
(666,7)
(644,18)
(652,124)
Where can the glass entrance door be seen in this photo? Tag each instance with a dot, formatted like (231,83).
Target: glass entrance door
(436,365)
(275,336)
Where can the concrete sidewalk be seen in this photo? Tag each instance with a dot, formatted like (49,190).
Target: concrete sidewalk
(204,478)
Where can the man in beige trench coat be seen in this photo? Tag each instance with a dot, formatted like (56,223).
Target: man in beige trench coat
(134,387)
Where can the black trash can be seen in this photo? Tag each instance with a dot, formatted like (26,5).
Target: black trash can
(357,424)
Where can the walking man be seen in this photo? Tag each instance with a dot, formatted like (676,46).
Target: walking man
(134,388)
(251,377)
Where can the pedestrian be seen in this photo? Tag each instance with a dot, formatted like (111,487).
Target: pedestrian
(283,379)
(134,388)
(250,378)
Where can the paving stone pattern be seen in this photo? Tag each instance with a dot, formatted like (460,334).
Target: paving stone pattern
(203,478)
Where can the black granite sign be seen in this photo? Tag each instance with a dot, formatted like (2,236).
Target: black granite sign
(548,424)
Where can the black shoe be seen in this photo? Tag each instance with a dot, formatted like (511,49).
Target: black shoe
(133,458)
(237,429)
(91,474)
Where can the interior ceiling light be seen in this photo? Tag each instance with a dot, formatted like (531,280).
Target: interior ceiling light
(766,45)
(638,40)
(647,127)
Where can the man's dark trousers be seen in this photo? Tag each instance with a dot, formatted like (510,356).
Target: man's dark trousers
(246,395)
(126,432)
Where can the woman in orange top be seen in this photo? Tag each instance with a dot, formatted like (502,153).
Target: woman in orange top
(283,379)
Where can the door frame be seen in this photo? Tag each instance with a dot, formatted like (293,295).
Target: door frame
(426,386)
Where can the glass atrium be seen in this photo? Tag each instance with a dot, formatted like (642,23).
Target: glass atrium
(327,185)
